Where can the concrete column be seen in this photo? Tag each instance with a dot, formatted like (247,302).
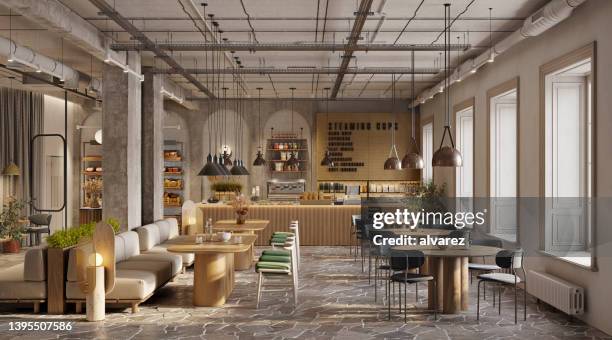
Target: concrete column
(121,146)
(152,149)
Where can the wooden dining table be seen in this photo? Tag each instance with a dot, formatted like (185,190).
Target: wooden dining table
(243,260)
(449,267)
(213,269)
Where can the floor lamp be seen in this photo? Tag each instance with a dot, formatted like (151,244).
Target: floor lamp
(11,170)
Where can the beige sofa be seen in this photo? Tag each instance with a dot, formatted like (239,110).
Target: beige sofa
(137,275)
(26,282)
(156,237)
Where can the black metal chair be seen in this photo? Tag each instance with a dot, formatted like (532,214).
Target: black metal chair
(353,235)
(381,256)
(513,261)
(401,262)
(484,267)
(39,224)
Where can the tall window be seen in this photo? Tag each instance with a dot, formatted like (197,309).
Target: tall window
(503,164)
(427,146)
(568,159)
(464,125)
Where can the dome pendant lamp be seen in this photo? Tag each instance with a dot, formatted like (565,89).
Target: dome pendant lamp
(259,160)
(327,161)
(447,156)
(413,160)
(393,162)
(292,161)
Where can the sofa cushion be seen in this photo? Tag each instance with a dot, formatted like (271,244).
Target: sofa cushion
(174,227)
(36,264)
(148,236)
(161,269)
(164,230)
(131,244)
(129,285)
(275,258)
(119,249)
(175,260)
(188,258)
(13,285)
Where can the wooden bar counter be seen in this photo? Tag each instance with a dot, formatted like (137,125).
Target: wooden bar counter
(320,225)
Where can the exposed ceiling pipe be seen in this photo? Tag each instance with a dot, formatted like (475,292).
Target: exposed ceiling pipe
(360,19)
(288,46)
(301,70)
(60,19)
(543,19)
(18,56)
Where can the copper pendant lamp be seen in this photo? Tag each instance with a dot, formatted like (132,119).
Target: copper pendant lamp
(447,156)
(259,160)
(413,159)
(392,162)
(327,161)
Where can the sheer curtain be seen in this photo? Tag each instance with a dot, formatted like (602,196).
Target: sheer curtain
(21,118)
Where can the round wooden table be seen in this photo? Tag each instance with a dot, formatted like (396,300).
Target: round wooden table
(450,267)
(213,270)
(243,260)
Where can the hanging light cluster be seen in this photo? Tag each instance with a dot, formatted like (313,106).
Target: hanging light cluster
(447,156)
(214,164)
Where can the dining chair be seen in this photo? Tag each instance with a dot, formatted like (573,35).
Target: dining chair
(401,262)
(513,261)
(268,268)
(353,235)
(381,255)
(484,267)
(40,224)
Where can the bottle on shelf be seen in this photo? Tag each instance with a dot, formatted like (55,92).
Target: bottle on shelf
(208,229)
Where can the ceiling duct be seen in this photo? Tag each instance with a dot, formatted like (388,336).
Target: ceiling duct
(542,20)
(22,58)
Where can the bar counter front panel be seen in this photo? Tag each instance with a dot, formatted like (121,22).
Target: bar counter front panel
(320,225)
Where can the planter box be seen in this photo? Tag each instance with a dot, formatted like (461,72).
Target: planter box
(57,265)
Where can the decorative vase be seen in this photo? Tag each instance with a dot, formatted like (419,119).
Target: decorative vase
(240,218)
(11,246)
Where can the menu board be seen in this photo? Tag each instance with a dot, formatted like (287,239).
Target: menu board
(359,144)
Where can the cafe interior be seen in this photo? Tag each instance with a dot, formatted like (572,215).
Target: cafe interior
(363,169)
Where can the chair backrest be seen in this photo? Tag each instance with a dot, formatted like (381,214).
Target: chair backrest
(487,242)
(408,259)
(41,219)
(509,259)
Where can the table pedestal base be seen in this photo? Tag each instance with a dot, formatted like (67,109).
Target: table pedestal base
(213,279)
(452,276)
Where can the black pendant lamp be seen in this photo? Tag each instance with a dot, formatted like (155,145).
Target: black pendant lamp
(235,166)
(327,161)
(243,169)
(413,159)
(393,162)
(292,161)
(259,160)
(211,168)
(447,156)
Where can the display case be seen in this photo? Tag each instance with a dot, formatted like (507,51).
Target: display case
(174,182)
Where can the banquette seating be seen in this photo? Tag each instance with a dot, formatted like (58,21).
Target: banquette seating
(156,237)
(26,282)
(138,274)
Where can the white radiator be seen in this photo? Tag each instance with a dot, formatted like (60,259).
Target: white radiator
(563,295)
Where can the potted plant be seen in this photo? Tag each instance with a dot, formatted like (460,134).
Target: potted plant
(11,228)
(241,207)
(225,190)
